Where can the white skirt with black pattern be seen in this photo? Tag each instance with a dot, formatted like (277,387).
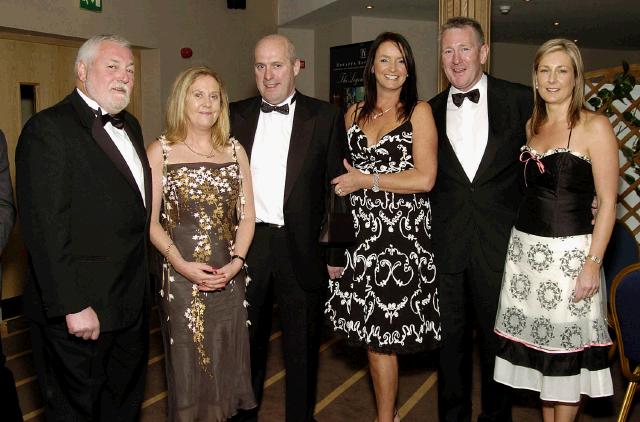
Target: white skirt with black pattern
(551,344)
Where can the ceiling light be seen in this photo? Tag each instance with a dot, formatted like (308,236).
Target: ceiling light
(575,41)
(556,23)
(369,6)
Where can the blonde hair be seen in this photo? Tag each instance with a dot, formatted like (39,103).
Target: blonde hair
(539,115)
(175,118)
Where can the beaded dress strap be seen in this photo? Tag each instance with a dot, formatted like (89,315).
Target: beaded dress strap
(165,288)
(241,198)
(165,162)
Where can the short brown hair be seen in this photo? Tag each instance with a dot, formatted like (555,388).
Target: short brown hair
(461,22)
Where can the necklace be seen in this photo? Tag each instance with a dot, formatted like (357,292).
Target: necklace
(375,116)
(210,155)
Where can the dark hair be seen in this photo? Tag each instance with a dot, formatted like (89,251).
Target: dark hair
(409,91)
(460,22)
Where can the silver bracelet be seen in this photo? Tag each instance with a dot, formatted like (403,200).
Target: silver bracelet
(166,251)
(595,259)
(376,182)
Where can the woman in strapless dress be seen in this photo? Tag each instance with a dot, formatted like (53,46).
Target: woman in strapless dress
(552,305)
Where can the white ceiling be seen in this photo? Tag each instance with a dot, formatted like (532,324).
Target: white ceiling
(608,24)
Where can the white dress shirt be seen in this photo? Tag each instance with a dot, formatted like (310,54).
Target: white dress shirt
(269,163)
(124,145)
(468,128)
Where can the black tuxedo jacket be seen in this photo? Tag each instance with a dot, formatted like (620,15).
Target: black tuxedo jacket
(316,150)
(83,219)
(476,216)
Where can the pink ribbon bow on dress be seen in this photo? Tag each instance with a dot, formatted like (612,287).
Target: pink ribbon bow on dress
(527,156)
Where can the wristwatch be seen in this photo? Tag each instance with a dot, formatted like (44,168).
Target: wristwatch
(376,182)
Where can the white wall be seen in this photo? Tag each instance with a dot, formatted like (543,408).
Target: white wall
(327,36)
(513,61)
(289,10)
(304,40)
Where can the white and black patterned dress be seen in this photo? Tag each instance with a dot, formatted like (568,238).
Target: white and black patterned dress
(552,345)
(387,296)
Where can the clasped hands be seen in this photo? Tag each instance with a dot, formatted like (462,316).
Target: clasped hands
(208,278)
(351,181)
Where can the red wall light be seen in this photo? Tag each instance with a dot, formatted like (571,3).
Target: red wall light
(186,52)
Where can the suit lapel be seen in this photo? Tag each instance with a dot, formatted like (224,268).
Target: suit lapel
(447,153)
(301,134)
(101,137)
(105,142)
(138,144)
(497,115)
(245,129)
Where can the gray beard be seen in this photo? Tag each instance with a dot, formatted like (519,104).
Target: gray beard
(112,108)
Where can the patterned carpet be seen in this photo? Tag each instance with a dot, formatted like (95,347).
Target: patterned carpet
(345,393)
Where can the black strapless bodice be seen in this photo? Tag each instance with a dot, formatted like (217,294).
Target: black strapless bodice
(559,194)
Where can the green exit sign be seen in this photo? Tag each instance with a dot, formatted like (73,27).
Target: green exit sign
(95,5)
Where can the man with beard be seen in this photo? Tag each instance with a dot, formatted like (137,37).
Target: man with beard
(83,190)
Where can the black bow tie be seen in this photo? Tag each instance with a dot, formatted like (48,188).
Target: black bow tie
(473,95)
(268,108)
(116,120)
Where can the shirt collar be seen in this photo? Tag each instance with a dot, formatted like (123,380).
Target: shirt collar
(481,85)
(90,102)
(287,100)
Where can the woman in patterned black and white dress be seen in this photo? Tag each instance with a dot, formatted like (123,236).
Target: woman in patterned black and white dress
(552,307)
(386,298)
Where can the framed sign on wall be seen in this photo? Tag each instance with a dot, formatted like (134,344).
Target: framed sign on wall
(346,80)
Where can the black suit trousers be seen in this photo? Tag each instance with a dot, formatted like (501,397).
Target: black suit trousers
(272,274)
(468,301)
(97,380)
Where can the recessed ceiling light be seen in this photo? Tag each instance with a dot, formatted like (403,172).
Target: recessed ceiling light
(369,6)
(575,41)
(556,23)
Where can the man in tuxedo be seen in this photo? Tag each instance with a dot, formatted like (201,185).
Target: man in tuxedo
(83,191)
(7,217)
(296,145)
(481,127)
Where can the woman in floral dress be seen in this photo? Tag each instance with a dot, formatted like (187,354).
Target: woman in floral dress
(202,222)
